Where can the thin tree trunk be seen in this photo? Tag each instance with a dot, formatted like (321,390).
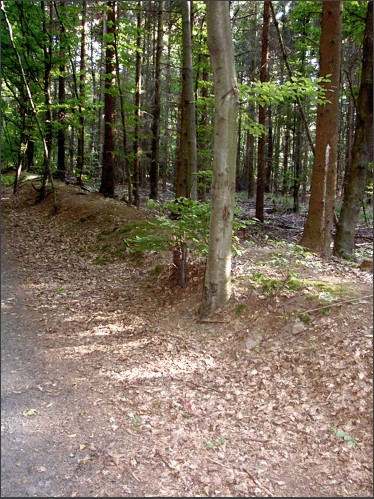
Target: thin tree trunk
(155,152)
(47,52)
(297,164)
(286,151)
(107,172)
(138,81)
(269,155)
(260,192)
(82,80)
(188,150)
(61,163)
(123,119)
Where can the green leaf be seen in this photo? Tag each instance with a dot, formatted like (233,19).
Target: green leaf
(340,434)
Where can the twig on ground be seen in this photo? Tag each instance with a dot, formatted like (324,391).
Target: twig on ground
(329,305)
(257,482)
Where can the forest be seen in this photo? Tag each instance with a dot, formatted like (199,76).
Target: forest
(187,203)
(121,94)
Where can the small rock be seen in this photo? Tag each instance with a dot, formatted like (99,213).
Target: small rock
(298,327)
(253,341)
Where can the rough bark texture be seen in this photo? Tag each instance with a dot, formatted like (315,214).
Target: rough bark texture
(82,79)
(260,192)
(61,163)
(317,234)
(217,281)
(362,152)
(136,168)
(187,182)
(155,152)
(107,173)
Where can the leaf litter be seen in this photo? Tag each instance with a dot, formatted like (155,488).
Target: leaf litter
(152,401)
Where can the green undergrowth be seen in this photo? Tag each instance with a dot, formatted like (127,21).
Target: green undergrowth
(292,283)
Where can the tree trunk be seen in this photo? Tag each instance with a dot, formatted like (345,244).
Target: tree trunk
(317,234)
(348,144)
(155,152)
(107,172)
(286,151)
(138,81)
(249,159)
(260,192)
(127,172)
(362,151)
(47,52)
(297,163)
(82,79)
(217,280)
(269,155)
(188,154)
(61,163)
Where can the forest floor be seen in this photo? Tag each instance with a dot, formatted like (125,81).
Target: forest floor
(112,386)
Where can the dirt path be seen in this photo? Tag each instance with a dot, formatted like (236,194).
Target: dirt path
(28,457)
(111,386)
(47,418)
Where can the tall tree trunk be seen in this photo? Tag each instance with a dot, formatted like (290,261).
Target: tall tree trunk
(269,155)
(155,152)
(188,152)
(286,151)
(102,81)
(249,159)
(22,141)
(47,52)
(297,163)
(138,82)
(276,154)
(260,192)
(167,116)
(127,170)
(82,80)
(348,143)
(61,162)
(217,280)
(107,172)
(317,234)
(362,151)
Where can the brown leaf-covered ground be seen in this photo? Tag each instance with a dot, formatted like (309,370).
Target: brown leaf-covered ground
(112,386)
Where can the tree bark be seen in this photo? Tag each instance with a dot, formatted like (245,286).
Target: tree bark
(317,234)
(127,172)
(217,281)
(61,140)
(155,152)
(362,151)
(107,172)
(187,163)
(138,81)
(260,192)
(82,80)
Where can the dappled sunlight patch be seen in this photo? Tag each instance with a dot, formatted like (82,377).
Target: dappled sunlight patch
(161,368)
